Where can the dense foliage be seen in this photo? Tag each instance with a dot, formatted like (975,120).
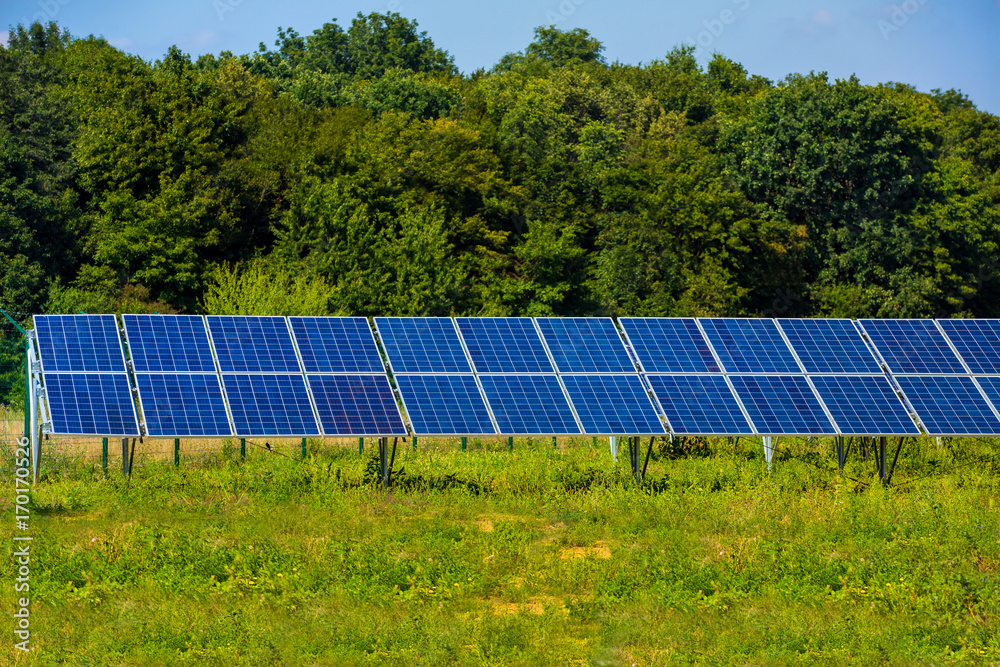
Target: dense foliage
(356,171)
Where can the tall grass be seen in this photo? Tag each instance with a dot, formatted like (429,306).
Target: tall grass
(535,557)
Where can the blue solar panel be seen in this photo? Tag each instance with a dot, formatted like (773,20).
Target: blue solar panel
(699,405)
(669,345)
(422,345)
(977,342)
(444,405)
(912,346)
(336,345)
(782,405)
(356,405)
(168,343)
(747,345)
(253,344)
(613,405)
(270,405)
(864,405)
(991,385)
(585,345)
(91,404)
(949,405)
(504,345)
(176,406)
(79,343)
(829,346)
(529,405)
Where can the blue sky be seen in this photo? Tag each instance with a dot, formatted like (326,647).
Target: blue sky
(926,43)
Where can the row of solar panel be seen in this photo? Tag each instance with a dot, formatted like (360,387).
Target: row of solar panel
(263,382)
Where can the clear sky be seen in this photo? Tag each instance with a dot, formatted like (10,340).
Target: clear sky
(925,43)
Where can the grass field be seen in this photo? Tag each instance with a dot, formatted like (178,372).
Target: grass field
(531,557)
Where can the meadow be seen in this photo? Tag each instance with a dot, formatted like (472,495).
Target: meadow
(536,556)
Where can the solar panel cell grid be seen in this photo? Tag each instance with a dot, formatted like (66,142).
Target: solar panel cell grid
(864,405)
(444,405)
(829,346)
(912,346)
(174,343)
(336,345)
(504,345)
(747,345)
(91,404)
(669,345)
(270,405)
(991,386)
(253,344)
(949,405)
(356,405)
(422,345)
(79,343)
(699,405)
(613,405)
(977,342)
(585,345)
(782,405)
(529,405)
(176,405)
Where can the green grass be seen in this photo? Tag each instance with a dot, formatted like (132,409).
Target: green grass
(536,557)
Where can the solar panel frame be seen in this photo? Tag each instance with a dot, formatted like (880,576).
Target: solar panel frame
(912,347)
(354,412)
(211,402)
(973,394)
(976,341)
(318,340)
(145,335)
(731,342)
(549,395)
(490,349)
(80,383)
(295,385)
(675,356)
(598,350)
(253,344)
(744,386)
(591,408)
(868,390)
(407,383)
(411,355)
(102,353)
(829,346)
(672,391)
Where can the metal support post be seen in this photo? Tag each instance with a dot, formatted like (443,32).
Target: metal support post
(125,467)
(768,451)
(882,473)
(361,446)
(303,448)
(414,443)
(463,443)
(177,452)
(555,445)
(635,453)
(383,461)
(841,452)
(243,449)
(104,455)
(510,443)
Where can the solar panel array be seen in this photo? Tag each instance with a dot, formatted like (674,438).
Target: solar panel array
(307,376)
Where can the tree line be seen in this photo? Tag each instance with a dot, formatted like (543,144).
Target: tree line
(357,171)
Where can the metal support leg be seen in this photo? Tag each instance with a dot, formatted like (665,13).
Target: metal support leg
(555,445)
(383,459)
(303,448)
(414,443)
(463,443)
(636,455)
(510,444)
(243,449)
(841,454)
(361,446)
(768,451)
(125,470)
(177,452)
(882,473)
(104,455)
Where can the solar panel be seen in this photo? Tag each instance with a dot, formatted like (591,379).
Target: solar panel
(585,345)
(168,343)
(746,345)
(613,405)
(356,405)
(864,405)
(79,343)
(247,344)
(444,405)
(180,405)
(782,405)
(669,345)
(699,405)
(829,346)
(529,405)
(270,405)
(912,346)
(977,342)
(422,345)
(91,404)
(336,345)
(949,405)
(504,345)
(991,386)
